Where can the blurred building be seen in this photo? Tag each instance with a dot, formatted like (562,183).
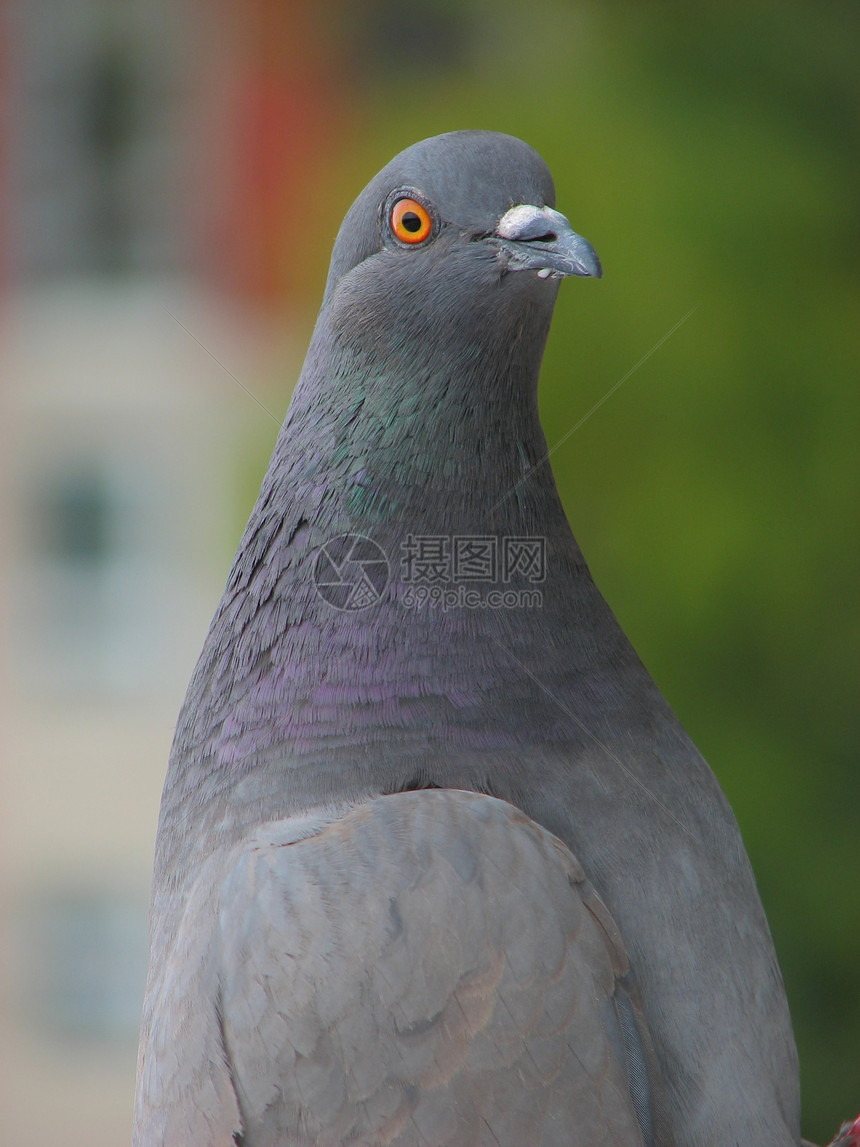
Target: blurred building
(150,152)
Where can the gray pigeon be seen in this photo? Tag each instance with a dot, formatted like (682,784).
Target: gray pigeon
(436,864)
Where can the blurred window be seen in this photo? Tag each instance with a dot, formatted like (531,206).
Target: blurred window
(82,964)
(77,515)
(92,140)
(94,578)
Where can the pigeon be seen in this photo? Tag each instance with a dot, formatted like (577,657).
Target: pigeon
(436,862)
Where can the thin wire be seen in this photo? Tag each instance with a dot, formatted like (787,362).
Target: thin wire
(221,364)
(593,737)
(596,407)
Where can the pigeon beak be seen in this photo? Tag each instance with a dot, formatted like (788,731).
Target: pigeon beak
(540,239)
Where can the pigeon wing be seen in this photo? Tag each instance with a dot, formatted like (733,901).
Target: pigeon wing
(431,968)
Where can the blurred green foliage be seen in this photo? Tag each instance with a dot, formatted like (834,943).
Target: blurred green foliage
(710,154)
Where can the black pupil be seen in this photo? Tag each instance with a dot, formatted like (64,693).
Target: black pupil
(411,221)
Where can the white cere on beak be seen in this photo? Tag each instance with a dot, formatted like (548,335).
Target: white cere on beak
(544,272)
(518,219)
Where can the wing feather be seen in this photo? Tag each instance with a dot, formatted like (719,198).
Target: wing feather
(431,968)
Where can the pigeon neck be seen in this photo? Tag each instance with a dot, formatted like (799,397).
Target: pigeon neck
(443,473)
(394,432)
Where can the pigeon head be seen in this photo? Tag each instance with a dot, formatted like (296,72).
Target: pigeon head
(428,346)
(488,194)
(440,294)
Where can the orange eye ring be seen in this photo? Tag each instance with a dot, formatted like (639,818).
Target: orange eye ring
(410,221)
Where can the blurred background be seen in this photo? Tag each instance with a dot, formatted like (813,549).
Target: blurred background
(172,176)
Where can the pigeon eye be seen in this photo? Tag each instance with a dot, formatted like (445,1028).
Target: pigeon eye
(410,221)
